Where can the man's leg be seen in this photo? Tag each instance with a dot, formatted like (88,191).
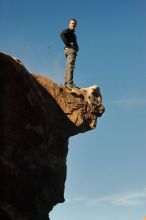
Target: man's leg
(70,65)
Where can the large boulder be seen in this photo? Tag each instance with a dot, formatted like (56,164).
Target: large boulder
(37,117)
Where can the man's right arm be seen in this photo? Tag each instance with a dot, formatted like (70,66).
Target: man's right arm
(63,36)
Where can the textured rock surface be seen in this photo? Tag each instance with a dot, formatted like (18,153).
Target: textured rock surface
(37,117)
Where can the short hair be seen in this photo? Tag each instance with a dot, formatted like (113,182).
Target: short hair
(73,19)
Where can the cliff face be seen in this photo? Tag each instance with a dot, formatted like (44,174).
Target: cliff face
(37,117)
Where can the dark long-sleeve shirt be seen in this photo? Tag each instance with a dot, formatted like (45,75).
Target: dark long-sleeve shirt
(69,38)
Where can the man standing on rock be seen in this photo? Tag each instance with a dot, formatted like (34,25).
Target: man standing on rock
(70,50)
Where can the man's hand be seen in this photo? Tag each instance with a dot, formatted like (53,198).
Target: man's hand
(72,45)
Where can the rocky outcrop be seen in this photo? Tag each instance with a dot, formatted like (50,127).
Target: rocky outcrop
(37,117)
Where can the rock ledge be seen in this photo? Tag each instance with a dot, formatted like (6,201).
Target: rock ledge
(37,117)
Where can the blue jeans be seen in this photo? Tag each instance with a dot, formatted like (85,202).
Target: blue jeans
(70,54)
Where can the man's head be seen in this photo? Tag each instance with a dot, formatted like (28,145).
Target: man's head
(72,23)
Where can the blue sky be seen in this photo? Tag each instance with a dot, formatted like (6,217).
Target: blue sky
(106,167)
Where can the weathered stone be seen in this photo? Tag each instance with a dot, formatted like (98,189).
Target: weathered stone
(37,117)
(81,106)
